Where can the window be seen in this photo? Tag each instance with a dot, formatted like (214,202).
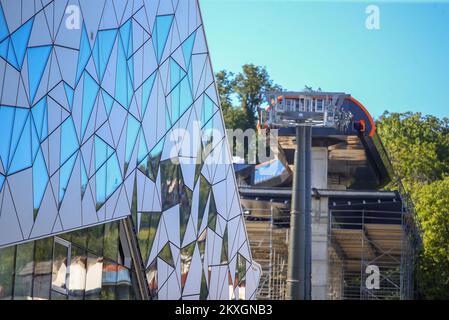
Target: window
(319,105)
(61,265)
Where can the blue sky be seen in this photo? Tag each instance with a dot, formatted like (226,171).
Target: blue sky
(403,66)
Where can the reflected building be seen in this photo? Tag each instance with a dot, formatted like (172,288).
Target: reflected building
(100,195)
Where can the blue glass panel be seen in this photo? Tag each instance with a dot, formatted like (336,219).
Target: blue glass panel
(6,126)
(11,57)
(90,91)
(84,179)
(2,179)
(39,116)
(160,34)
(121,82)
(40,179)
(20,41)
(22,154)
(130,82)
(37,60)
(143,149)
(157,150)
(114,177)
(20,117)
(69,140)
(4,49)
(176,73)
(7,53)
(69,93)
(208,110)
(147,87)
(131,136)
(187,48)
(3,25)
(100,180)
(84,54)
(108,101)
(64,176)
(102,152)
(35,143)
(102,50)
(126,34)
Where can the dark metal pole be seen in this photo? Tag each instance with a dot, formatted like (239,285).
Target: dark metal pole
(296,252)
(308,211)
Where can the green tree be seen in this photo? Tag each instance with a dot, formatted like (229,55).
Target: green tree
(432,204)
(419,150)
(246,87)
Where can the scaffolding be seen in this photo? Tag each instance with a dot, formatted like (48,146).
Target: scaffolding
(363,243)
(268,232)
(357,239)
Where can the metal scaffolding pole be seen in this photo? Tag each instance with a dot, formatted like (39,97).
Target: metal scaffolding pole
(297,277)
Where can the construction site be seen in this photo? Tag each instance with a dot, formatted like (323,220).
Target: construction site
(358,226)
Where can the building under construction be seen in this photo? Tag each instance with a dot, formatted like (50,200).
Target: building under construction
(358,228)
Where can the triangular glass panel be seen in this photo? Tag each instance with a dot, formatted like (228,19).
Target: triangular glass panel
(161,31)
(131,138)
(176,73)
(22,156)
(69,93)
(37,61)
(203,197)
(69,140)
(166,255)
(40,179)
(224,247)
(108,102)
(102,50)
(212,218)
(64,176)
(147,87)
(19,40)
(149,222)
(90,91)
(204,291)
(84,53)
(3,25)
(185,209)
(151,273)
(186,262)
(187,48)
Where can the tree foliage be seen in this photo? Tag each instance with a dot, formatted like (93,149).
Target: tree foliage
(246,88)
(419,150)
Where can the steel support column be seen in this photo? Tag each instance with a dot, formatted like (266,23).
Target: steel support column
(296,277)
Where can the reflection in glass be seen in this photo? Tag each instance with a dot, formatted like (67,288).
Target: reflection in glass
(148,226)
(24,271)
(109,281)
(124,284)
(42,269)
(186,261)
(61,262)
(6,272)
(95,239)
(111,240)
(77,279)
(171,185)
(94,277)
(152,279)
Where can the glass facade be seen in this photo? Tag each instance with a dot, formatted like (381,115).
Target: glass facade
(93,101)
(71,266)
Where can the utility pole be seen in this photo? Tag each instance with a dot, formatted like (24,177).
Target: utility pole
(299,245)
